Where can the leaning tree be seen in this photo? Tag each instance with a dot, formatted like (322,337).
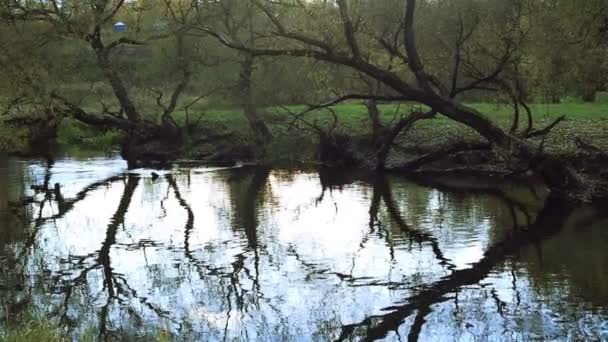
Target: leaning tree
(342,32)
(148,136)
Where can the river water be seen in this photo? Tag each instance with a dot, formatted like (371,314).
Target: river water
(256,254)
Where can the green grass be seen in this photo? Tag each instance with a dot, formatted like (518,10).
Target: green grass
(12,139)
(290,145)
(35,328)
(588,120)
(73,133)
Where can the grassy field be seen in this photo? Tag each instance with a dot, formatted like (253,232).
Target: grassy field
(353,116)
(588,120)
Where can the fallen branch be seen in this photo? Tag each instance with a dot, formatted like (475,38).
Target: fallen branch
(549,222)
(337,100)
(587,146)
(92,119)
(547,129)
(433,156)
(404,124)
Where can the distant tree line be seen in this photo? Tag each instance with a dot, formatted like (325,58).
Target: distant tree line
(62,59)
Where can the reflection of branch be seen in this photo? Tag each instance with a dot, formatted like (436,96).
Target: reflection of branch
(258,182)
(44,188)
(500,304)
(374,207)
(549,222)
(117,219)
(102,257)
(124,288)
(514,283)
(64,206)
(104,253)
(188,231)
(162,203)
(188,227)
(182,202)
(419,321)
(319,270)
(415,234)
(375,221)
(245,207)
(68,205)
(494,191)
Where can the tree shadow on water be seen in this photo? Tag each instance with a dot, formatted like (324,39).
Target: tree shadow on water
(246,187)
(548,222)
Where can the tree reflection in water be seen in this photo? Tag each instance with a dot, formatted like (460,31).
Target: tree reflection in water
(256,254)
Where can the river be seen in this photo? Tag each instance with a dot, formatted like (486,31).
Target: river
(259,254)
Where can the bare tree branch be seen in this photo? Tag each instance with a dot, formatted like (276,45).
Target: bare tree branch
(349,31)
(547,129)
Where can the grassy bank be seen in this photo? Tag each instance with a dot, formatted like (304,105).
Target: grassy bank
(71,134)
(291,144)
(38,328)
(32,328)
(587,120)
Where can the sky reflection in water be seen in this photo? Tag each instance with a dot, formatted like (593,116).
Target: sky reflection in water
(255,254)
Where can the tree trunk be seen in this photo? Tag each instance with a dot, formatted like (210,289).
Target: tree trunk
(557,176)
(374,115)
(258,127)
(589,94)
(337,150)
(146,142)
(43,135)
(150,144)
(118,87)
(392,134)
(554,98)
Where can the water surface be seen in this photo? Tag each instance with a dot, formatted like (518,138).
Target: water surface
(271,255)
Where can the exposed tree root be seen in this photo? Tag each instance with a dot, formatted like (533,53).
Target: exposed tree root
(440,153)
(545,130)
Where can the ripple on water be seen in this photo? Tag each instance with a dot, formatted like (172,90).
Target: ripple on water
(256,254)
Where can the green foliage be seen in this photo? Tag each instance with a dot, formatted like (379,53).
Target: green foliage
(74,133)
(602,97)
(298,144)
(553,61)
(13,139)
(36,328)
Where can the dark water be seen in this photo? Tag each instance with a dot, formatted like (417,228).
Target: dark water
(268,255)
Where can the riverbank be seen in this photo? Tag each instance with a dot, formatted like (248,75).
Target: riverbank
(295,142)
(38,328)
(33,328)
(131,256)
